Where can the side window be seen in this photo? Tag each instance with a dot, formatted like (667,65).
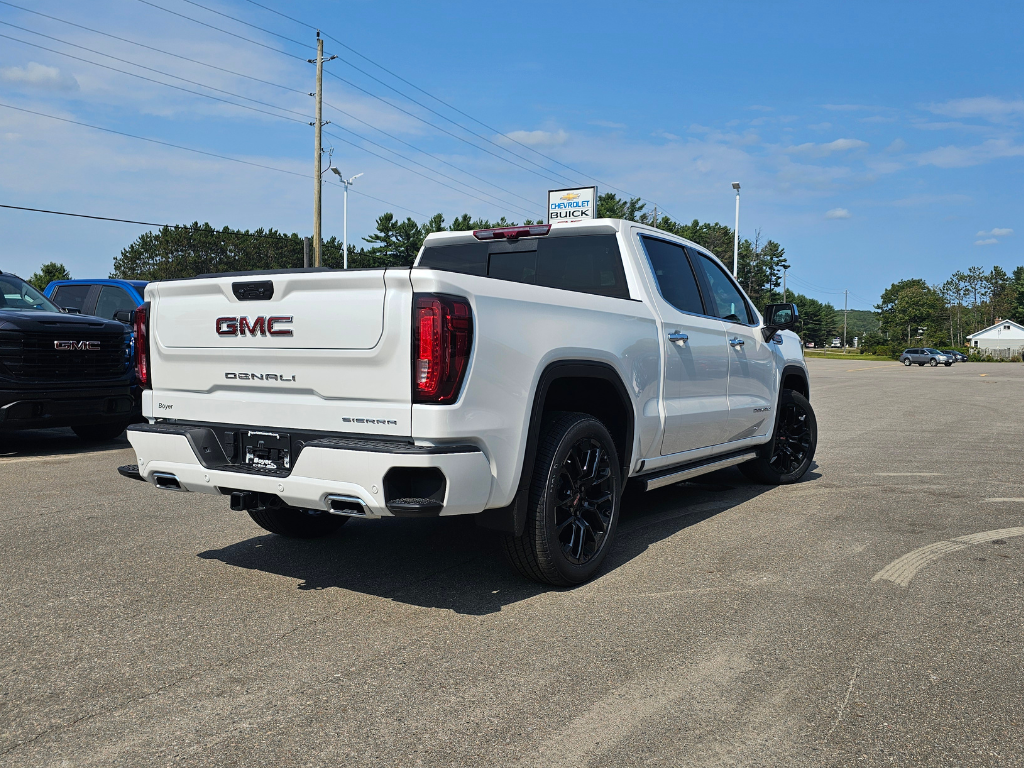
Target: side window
(725,296)
(586,264)
(675,277)
(70,296)
(112,299)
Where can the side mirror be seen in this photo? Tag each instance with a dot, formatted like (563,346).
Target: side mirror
(126,316)
(779,317)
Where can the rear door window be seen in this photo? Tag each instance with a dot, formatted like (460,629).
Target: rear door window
(583,264)
(71,296)
(726,300)
(113,299)
(674,275)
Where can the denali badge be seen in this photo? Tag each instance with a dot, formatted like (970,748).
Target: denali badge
(258,326)
(64,346)
(259,376)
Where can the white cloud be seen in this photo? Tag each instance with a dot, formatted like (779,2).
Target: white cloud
(823,150)
(538,138)
(986,107)
(837,213)
(820,126)
(665,135)
(997,232)
(39,76)
(987,241)
(898,145)
(964,157)
(608,124)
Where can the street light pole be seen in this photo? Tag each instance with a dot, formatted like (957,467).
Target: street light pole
(736,234)
(344,226)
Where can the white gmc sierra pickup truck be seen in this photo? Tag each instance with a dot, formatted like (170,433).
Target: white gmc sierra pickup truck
(521,374)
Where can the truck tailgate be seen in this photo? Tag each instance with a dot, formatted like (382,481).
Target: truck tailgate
(326,351)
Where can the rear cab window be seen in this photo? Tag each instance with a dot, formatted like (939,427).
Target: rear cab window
(71,296)
(579,263)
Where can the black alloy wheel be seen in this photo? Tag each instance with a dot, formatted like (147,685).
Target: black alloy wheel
(585,503)
(788,456)
(793,439)
(573,508)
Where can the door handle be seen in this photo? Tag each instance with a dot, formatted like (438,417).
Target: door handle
(678,336)
(736,342)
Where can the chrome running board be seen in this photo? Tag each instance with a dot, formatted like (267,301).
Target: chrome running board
(688,471)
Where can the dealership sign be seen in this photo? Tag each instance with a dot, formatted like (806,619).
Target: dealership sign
(570,206)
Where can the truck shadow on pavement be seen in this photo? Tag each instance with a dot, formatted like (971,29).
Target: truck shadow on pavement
(450,563)
(42,443)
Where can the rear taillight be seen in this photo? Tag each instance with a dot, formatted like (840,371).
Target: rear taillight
(442,340)
(512,233)
(142,371)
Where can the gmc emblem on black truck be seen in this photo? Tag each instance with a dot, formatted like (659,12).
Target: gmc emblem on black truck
(67,346)
(258,326)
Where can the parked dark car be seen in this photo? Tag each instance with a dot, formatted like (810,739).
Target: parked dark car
(958,357)
(59,369)
(925,356)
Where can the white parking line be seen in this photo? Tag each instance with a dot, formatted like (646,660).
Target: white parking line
(59,457)
(903,569)
(908,474)
(1006,499)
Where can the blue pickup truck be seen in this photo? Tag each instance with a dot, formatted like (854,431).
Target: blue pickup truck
(100,298)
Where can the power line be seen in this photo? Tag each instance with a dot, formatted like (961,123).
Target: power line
(439,100)
(151,48)
(203,152)
(143,66)
(421,165)
(158,82)
(218,29)
(425,152)
(246,23)
(410,170)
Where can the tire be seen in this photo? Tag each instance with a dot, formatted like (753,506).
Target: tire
(295,523)
(573,511)
(100,433)
(907,362)
(947,364)
(778,463)
(933,362)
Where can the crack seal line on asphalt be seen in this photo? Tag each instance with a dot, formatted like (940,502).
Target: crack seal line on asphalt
(903,569)
(842,708)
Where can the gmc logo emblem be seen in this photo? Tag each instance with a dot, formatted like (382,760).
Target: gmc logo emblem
(67,346)
(258,326)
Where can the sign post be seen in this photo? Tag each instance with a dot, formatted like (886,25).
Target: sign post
(572,206)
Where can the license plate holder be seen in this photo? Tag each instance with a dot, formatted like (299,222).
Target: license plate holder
(267,451)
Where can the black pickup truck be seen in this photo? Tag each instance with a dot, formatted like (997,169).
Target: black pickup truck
(59,369)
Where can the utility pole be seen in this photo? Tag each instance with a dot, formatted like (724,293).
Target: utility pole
(784,285)
(317,149)
(736,234)
(305,253)
(846,302)
(317,236)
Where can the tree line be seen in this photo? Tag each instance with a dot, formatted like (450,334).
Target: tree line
(911,312)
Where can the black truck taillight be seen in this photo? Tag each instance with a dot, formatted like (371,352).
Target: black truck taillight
(442,338)
(142,367)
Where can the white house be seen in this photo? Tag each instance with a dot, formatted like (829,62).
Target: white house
(1004,335)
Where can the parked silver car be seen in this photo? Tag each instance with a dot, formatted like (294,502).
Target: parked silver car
(925,356)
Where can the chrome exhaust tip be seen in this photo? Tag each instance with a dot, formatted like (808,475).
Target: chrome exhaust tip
(168,482)
(348,506)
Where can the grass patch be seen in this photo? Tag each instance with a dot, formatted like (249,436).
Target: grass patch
(850,357)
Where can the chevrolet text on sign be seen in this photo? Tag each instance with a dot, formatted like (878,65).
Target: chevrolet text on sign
(568,206)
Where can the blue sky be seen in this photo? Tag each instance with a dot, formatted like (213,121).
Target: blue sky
(875,142)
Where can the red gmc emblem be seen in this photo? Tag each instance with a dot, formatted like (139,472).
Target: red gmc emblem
(258,326)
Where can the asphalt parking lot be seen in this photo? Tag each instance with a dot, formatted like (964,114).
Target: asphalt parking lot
(869,615)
